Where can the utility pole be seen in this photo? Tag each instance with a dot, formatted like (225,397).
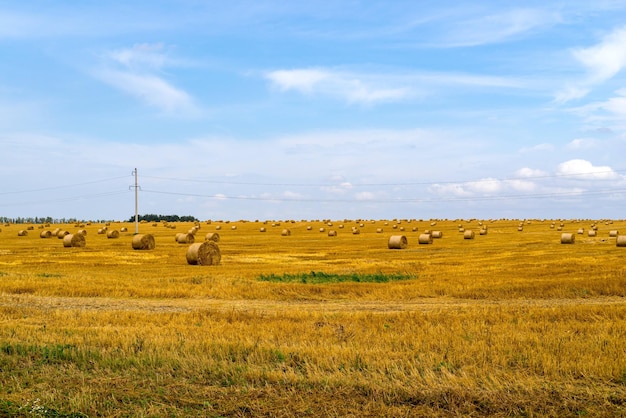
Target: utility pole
(136,186)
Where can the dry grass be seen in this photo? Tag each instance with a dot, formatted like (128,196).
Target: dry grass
(507,324)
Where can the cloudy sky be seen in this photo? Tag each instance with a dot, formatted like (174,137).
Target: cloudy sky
(312,110)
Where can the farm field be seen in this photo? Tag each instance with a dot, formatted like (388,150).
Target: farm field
(509,323)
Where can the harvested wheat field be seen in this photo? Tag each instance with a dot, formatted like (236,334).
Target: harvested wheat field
(510,323)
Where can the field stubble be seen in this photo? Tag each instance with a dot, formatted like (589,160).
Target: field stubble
(507,324)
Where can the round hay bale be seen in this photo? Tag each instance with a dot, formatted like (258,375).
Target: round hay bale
(621,241)
(114,233)
(123,229)
(143,242)
(425,239)
(62,234)
(22,233)
(379,230)
(483,232)
(308,228)
(234,227)
(567,238)
(185,238)
(45,234)
(218,227)
(74,240)
(332,233)
(437,234)
(322,229)
(468,234)
(262,229)
(205,253)
(30,228)
(56,231)
(212,236)
(613,233)
(356,231)
(592,233)
(581,231)
(520,228)
(82,232)
(285,232)
(397,242)
(102,231)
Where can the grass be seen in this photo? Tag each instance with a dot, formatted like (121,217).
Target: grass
(319,277)
(508,324)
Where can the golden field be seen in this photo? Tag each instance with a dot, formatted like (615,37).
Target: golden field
(511,323)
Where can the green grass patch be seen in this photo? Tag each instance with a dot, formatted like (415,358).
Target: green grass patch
(318,277)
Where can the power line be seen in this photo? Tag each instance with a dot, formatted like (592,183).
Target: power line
(417,183)
(67,186)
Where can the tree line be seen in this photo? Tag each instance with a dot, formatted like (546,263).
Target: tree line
(151,217)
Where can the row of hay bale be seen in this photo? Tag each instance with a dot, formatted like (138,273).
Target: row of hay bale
(190,237)
(570,238)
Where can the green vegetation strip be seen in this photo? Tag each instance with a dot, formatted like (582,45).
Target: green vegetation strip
(318,277)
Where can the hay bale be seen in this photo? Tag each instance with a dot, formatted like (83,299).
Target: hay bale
(397,242)
(355,231)
(308,228)
(285,232)
(262,229)
(580,231)
(82,232)
(468,234)
(436,234)
(332,233)
(379,230)
(185,238)
(143,242)
(205,253)
(123,229)
(567,238)
(22,233)
(218,227)
(322,229)
(592,233)
(483,232)
(425,239)
(212,236)
(114,233)
(45,234)
(56,231)
(74,240)
(62,234)
(613,233)
(621,241)
(102,231)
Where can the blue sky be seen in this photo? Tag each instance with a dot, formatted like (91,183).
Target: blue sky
(313,110)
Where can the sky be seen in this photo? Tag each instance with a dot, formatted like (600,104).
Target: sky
(330,109)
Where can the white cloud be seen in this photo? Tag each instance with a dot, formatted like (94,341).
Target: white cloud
(605,59)
(354,88)
(530,172)
(136,72)
(495,27)
(150,89)
(583,169)
(602,61)
(372,88)
(582,144)
(544,147)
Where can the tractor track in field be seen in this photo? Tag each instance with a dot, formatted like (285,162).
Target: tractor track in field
(265,306)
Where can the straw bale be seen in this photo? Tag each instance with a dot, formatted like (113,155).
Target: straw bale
(262,229)
(45,234)
(285,232)
(82,232)
(205,253)
(332,233)
(62,234)
(483,232)
(397,242)
(56,231)
(613,233)
(592,233)
(212,236)
(425,239)
(436,234)
(379,230)
(143,242)
(621,241)
(74,240)
(568,238)
(114,233)
(123,229)
(185,238)
(22,233)
(468,234)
